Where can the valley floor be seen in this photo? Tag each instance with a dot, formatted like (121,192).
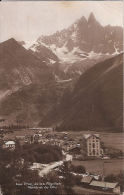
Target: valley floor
(111,166)
(95,167)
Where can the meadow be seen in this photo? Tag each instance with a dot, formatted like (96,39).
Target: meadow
(106,167)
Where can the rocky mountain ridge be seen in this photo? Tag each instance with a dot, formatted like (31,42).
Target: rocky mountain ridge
(80,46)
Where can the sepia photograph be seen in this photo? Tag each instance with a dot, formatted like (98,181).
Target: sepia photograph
(61,98)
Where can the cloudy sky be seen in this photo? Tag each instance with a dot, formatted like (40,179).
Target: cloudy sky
(28,20)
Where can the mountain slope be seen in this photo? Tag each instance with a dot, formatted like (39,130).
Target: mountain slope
(21,76)
(28,88)
(19,67)
(96,102)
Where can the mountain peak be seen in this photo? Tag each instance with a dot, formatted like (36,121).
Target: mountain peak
(91,17)
(11,40)
(10,43)
(83,19)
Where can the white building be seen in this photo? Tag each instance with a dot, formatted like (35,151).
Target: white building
(10,145)
(93,143)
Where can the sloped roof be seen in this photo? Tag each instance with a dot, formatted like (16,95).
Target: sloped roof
(87,179)
(103,184)
(10,143)
(86,136)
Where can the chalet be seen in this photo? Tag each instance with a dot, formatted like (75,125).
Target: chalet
(28,139)
(93,144)
(9,145)
(105,186)
(32,138)
(36,138)
(85,181)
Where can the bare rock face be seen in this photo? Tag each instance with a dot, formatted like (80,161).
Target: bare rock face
(88,35)
(83,44)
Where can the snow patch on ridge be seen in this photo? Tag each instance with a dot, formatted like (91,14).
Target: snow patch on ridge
(28,44)
(52,61)
(65,56)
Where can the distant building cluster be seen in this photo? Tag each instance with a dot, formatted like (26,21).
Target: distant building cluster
(61,139)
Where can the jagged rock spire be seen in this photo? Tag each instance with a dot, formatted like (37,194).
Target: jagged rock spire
(91,18)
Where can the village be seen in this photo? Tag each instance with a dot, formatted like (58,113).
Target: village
(88,148)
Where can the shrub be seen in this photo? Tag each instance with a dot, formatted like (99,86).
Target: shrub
(78,169)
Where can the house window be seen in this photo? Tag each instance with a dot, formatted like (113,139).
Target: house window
(93,152)
(93,145)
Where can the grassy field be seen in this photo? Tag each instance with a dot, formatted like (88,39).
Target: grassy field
(113,166)
(114,140)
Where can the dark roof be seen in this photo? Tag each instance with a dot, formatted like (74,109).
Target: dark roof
(86,136)
(103,184)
